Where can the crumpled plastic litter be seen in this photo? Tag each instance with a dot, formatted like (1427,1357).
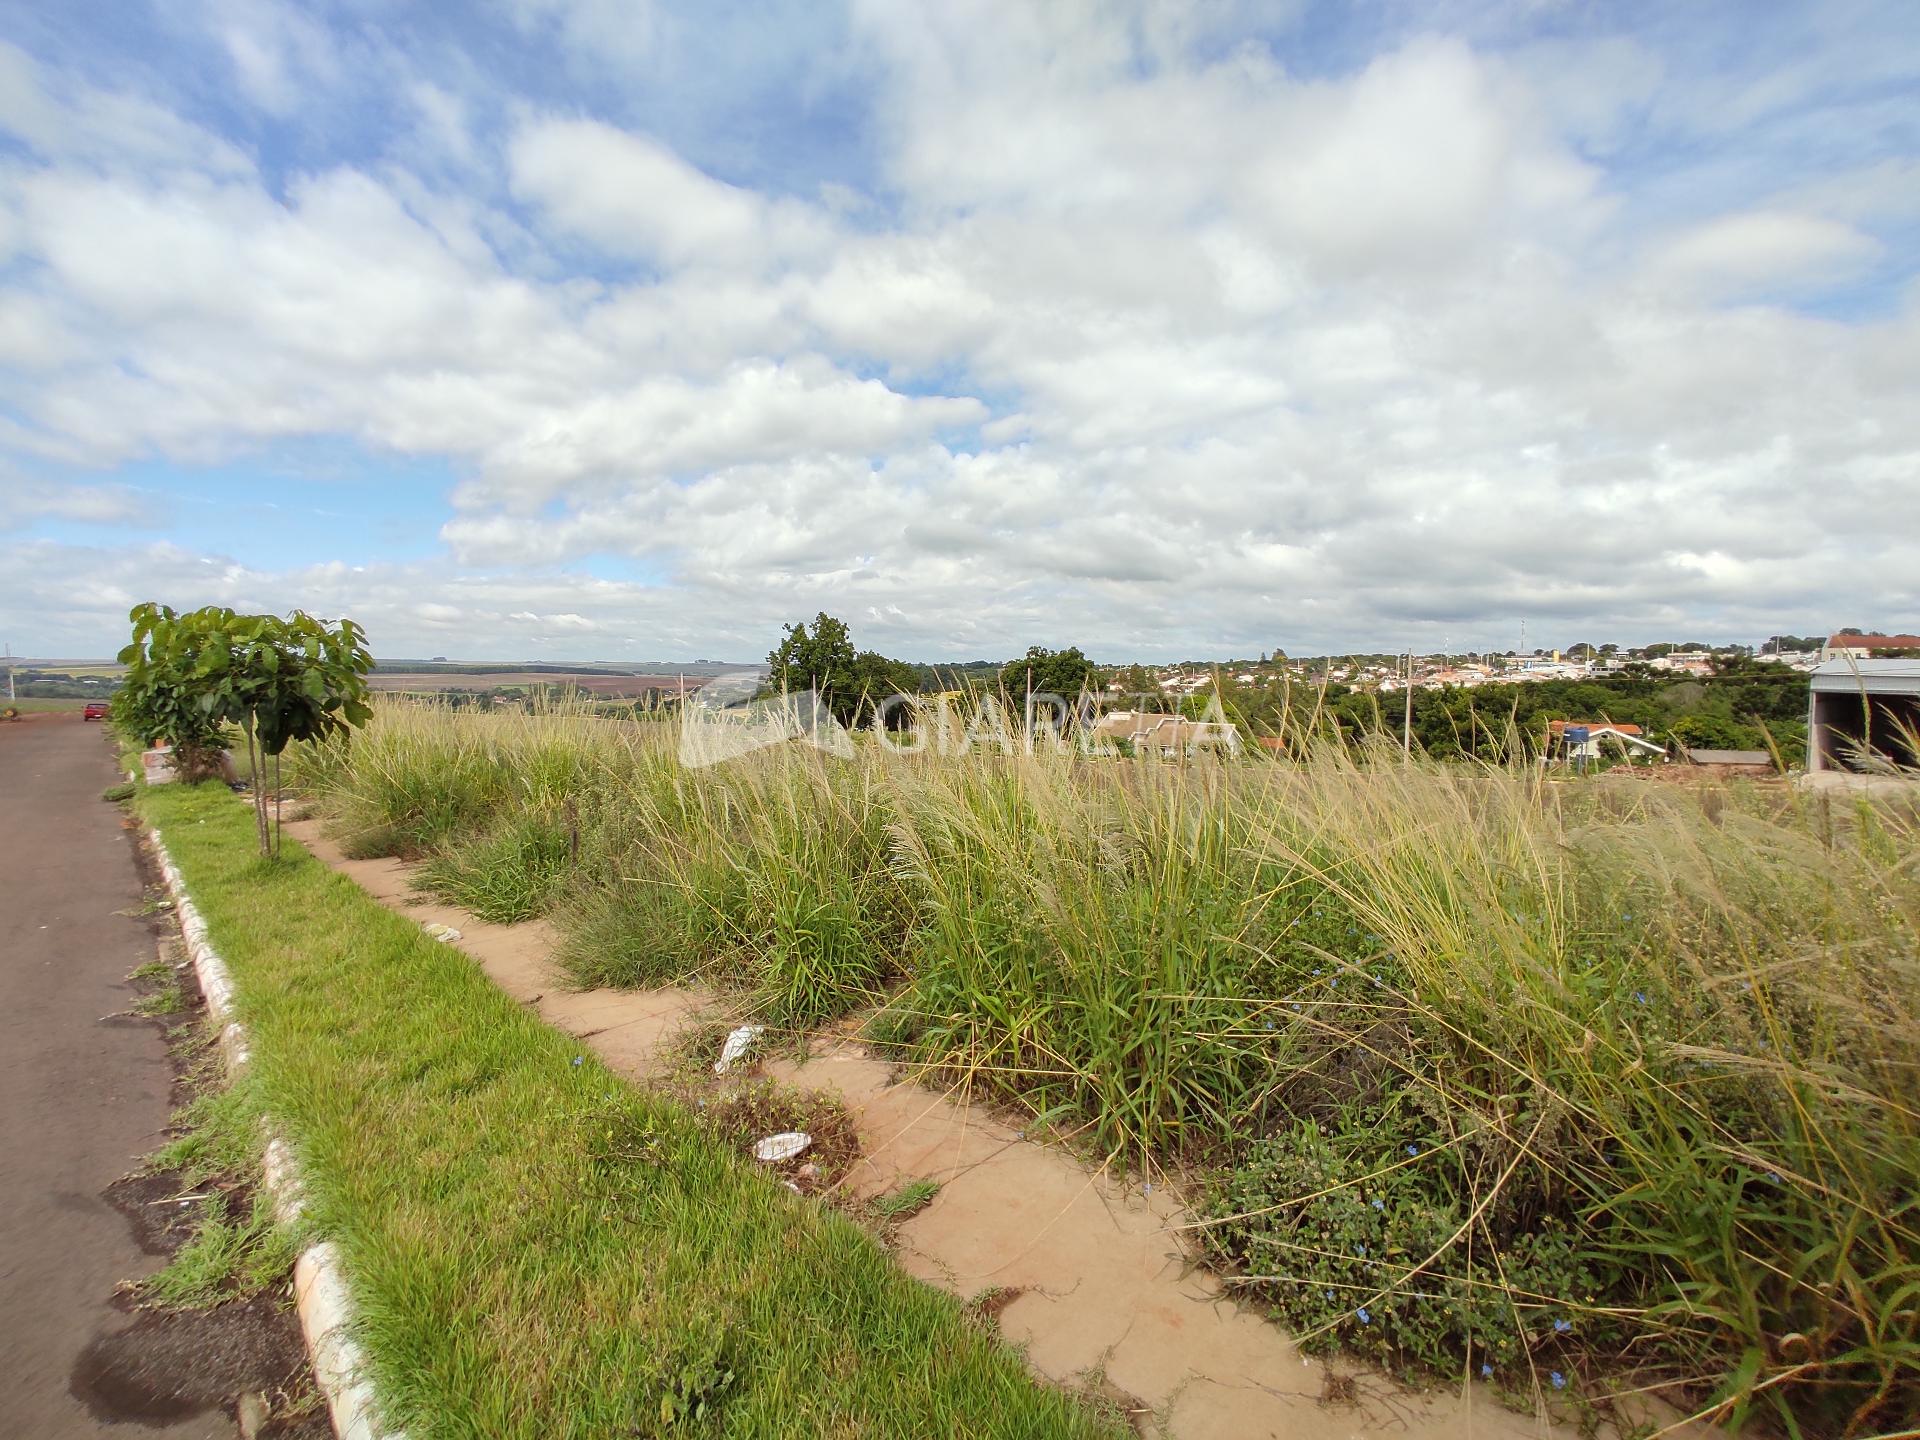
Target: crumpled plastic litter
(783,1146)
(738,1043)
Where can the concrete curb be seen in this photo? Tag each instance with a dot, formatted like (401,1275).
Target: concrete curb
(320,1293)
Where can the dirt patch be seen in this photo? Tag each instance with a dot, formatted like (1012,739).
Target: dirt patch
(172,1365)
(160,1209)
(987,1305)
(745,1112)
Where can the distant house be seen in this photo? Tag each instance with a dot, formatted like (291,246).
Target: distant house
(1863,647)
(1864,714)
(1167,736)
(1590,737)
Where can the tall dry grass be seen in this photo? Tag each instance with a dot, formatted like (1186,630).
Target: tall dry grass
(1487,1068)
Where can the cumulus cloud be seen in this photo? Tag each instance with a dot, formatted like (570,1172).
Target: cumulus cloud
(1144,327)
(24,500)
(632,196)
(1764,249)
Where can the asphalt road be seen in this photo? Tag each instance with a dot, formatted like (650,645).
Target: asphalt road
(81,1097)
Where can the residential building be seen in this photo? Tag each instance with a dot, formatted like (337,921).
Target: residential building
(1591,739)
(1863,647)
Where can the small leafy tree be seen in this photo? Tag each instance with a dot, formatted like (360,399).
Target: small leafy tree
(279,679)
(1048,672)
(851,683)
(822,660)
(160,701)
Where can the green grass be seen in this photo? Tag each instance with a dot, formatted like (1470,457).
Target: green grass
(225,1257)
(39,704)
(237,1247)
(506,875)
(536,1248)
(168,1000)
(908,1200)
(1655,1049)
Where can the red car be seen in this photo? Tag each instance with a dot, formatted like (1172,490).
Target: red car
(96,710)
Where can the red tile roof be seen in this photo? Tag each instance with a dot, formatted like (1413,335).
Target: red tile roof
(1873,642)
(1619,728)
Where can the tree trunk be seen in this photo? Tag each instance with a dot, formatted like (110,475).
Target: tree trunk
(256,767)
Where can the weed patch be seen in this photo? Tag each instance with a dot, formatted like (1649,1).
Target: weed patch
(1656,1048)
(909,1200)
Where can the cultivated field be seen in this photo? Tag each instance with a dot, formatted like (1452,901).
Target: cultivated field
(1575,1085)
(597,683)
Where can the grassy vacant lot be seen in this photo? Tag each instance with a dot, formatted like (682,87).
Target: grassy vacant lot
(1579,1086)
(538,1249)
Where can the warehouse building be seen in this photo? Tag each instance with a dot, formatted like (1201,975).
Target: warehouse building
(1864,715)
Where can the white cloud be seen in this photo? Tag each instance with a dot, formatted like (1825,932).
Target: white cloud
(23,500)
(1764,248)
(632,196)
(1137,337)
(103,128)
(278,54)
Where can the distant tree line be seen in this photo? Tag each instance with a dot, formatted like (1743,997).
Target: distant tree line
(1742,705)
(820,656)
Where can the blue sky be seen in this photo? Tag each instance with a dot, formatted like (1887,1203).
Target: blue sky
(599,329)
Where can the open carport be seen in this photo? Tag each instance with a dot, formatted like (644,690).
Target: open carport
(1864,715)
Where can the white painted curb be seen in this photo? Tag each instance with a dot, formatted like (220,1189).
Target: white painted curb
(319,1285)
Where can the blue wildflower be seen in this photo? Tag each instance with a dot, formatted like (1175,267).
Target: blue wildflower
(579,1059)
(1561,1327)
(1365,1318)
(1639,997)
(1269,1024)
(1359,1249)
(1378,1203)
(1559,1380)
(1413,1149)
(1774,1176)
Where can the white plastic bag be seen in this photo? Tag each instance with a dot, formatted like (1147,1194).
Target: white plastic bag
(738,1043)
